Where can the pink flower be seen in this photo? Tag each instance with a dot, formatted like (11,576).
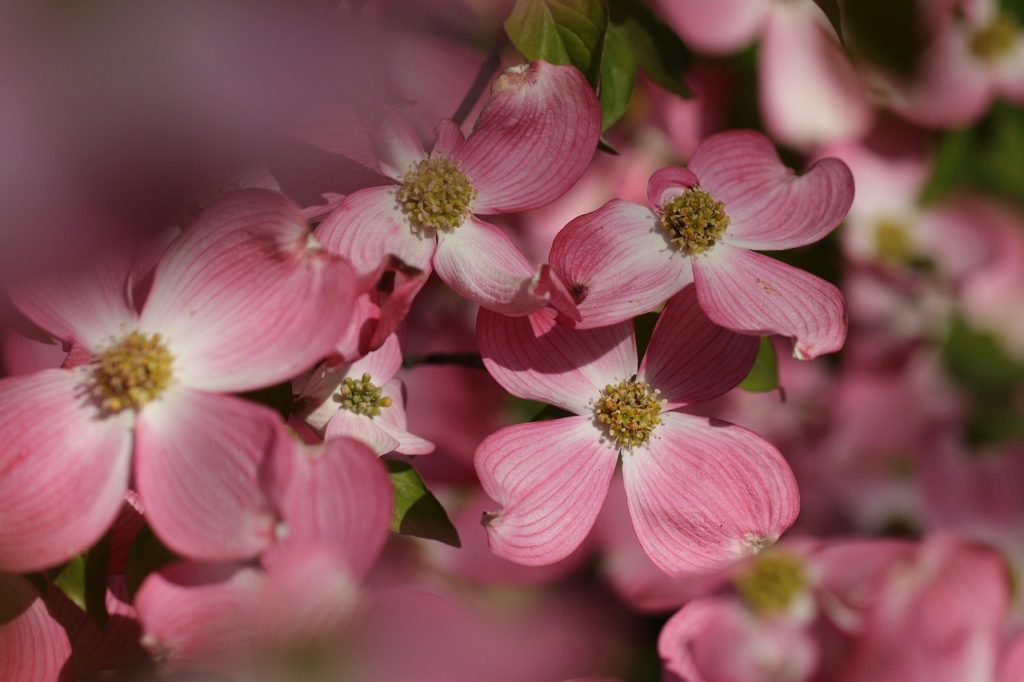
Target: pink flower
(701,493)
(531,142)
(151,401)
(703,224)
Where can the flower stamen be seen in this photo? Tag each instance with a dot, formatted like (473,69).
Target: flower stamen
(695,220)
(435,195)
(361,396)
(994,41)
(132,372)
(629,412)
(772,583)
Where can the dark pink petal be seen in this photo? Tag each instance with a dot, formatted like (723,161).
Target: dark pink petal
(481,263)
(716,26)
(369,228)
(449,139)
(690,358)
(668,183)
(397,146)
(197,468)
(550,478)
(769,206)
(347,424)
(533,139)
(245,267)
(754,294)
(704,494)
(336,495)
(618,263)
(63,468)
(22,354)
(1011,666)
(33,645)
(536,358)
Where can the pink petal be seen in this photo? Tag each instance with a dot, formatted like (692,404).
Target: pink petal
(33,646)
(533,139)
(197,470)
(397,146)
(244,267)
(550,478)
(64,468)
(754,294)
(716,26)
(690,358)
(369,228)
(480,262)
(337,495)
(347,424)
(380,364)
(668,183)
(392,419)
(618,262)
(769,206)
(703,494)
(450,139)
(22,354)
(536,358)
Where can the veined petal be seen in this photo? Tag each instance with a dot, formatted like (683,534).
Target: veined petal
(368,228)
(449,139)
(618,262)
(533,139)
(690,358)
(536,358)
(392,419)
(347,424)
(397,146)
(64,468)
(769,206)
(380,364)
(716,26)
(550,478)
(668,183)
(704,493)
(33,645)
(198,462)
(244,267)
(754,294)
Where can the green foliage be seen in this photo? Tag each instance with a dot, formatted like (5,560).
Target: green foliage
(417,511)
(764,375)
(84,581)
(560,32)
(146,555)
(643,327)
(659,52)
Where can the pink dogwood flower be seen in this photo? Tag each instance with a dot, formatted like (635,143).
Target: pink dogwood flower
(704,224)
(150,401)
(701,492)
(531,142)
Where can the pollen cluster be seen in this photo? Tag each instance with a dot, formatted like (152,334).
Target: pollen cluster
(361,396)
(435,195)
(772,582)
(995,40)
(892,242)
(629,411)
(132,372)
(695,220)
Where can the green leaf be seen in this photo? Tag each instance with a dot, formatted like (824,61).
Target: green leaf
(764,375)
(146,555)
(1002,167)
(84,581)
(656,47)
(977,360)
(952,166)
(560,32)
(618,75)
(417,511)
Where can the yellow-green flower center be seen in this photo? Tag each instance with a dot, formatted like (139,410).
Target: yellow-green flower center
(132,372)
(892,242)
(435,195)
(995,40)
(629,411)
(772,583)
(695,220)
(361,396)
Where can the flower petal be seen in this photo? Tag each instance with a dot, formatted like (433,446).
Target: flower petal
(690,358)
(618,263)
(392,419)
(769,206)
(715,26)
(368,228)
(380,364)
(536,358)
(197,469)
(533,139)
(551,478)
(64,468)
(347,424)
(33,646)
(754,294)
(703,494)
(668,183)
(449,140)
(397,146)
(244,267)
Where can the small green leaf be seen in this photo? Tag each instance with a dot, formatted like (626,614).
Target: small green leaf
(605,146)
(146,555)
(643,327)
(977,360)
(417,511)
(618,75)
(278,397)
(764,375)
(560,32)
(84,581)
(952,166)
(657,49)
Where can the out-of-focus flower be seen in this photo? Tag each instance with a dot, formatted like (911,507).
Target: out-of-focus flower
(33,645)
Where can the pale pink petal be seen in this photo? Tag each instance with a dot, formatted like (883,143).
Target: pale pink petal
(337,495)
(618,263)
(754,294)
(769,206)
(33,646)
(347,424)
(550,478)
(481,263)
(449,139)
(690,358)
(716,26)
(380,364)
(537,358)
(245,267)
(199,617)
(666,184)
(369,228)
(197,469)
(64,468)
(397,146)
(393,420)
(533,139)
(704,493)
